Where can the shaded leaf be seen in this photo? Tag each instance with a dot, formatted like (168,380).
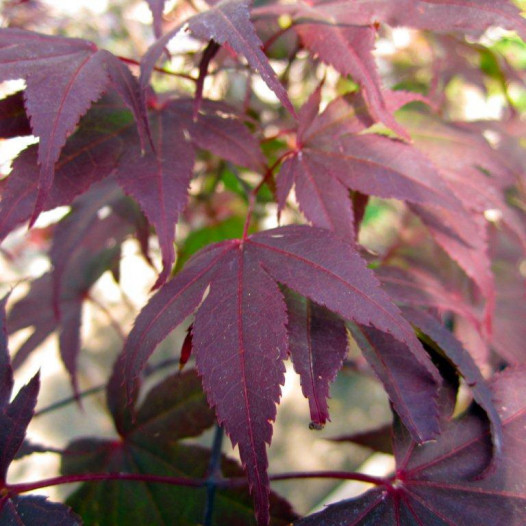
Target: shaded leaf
(84,263)
(176,408)
(436,483)
(411,387)
(317,345)
(35,511)
(89,155)
(13,118)
(465,365)
(64,77)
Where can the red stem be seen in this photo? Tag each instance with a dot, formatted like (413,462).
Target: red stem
(93,477)
(188,482)
(340,475)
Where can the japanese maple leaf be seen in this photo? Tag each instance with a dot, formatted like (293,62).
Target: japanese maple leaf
(331,156)
(63,77)
(475,172)
(453,350)
(54,301)
(317,346)
(438,483)
(90,154)
(13,119)
(464,238)
(240,335)
(149,443)
(15,416)
(159,180)
(106,142)
(225,22)
(338,41)
(435,15)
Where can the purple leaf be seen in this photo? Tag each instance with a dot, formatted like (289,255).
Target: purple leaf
(64,77)
(317,345)
(436,483)
(331,155)
(435,15)
(412,389)
(14,419)
(6,371)
(348,48)
(90,154)
(240,343)
(35,511)
(159,181)
(13,118)
(157,7)
(239,336)
(465,365)
(167,309)
(420,289)
(84,263)
(227,22)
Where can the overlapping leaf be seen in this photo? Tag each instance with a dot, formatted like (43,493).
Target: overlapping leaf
(474,170)
(15,416)
(13,119)
(435,15)
(149,444)
(317,346)
(63,77)
(107,142)
(463,362)
(54,301)
(332,156)
(226,22)
(437,483)
(239,333)
(348,47)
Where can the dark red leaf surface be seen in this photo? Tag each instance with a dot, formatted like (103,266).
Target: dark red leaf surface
(437,483)
(467,368)
(226,22)
(15,415)
(90,155)
(317,346)
(239,334)
(332,156)
(36,511)
(13,118)
(348,48)
(411,387)
(64,77)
